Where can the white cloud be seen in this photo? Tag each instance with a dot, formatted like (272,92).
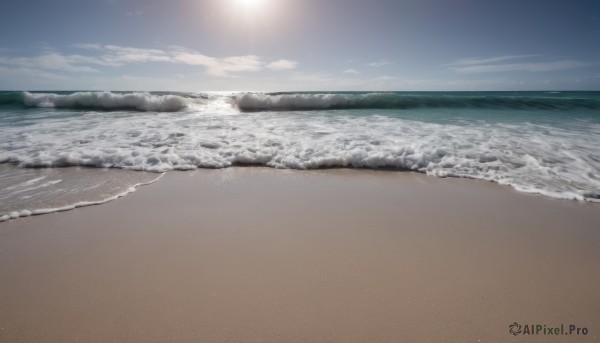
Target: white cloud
(135,13)
(118,55)
(88,46)
(491,65)
(282,65)
(378,64)
(240,63)
(51,61)
(385,78)
(476,60)
(351,71)
(194,59)
(30,73)
(532,67)
(219,66)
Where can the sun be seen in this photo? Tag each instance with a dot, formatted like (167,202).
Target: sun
(250,3)
(253,15)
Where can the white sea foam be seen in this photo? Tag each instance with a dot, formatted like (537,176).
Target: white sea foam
(560,161)
(86,203)
(77,204)
(258,101)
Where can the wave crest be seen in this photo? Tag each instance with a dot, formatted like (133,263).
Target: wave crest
(143,101)
(108,101)
(391,100)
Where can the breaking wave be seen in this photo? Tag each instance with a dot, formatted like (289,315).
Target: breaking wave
(108,101)
(392,100)
(173,102)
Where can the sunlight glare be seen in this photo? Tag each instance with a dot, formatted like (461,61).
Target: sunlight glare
(250,3)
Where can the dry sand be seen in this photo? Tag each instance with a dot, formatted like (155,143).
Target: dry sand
(261,255)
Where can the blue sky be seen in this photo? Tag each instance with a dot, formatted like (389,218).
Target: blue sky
(271,45)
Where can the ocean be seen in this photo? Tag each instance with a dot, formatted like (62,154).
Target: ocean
(537,142)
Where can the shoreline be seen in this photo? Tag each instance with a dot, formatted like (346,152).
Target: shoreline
(84,202)
(258,254)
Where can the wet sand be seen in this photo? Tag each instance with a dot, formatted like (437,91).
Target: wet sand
(263,255)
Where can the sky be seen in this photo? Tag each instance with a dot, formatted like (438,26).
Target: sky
(295,45)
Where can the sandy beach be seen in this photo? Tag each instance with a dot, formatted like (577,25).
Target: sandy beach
(264,255)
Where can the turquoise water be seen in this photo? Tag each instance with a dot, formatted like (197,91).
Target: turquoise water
(538,142)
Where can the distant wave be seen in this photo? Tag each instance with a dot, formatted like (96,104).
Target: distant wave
(143,101)
(108,101)
(382,100)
